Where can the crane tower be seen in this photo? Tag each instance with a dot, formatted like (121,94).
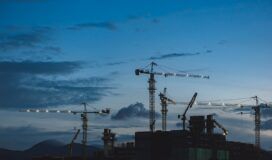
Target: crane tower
(152,87)
(164,103)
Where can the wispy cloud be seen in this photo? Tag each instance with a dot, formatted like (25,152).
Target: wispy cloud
(29,39)
(267,125)
(51,49)
(91,25)
(115,63)
(140,17)
(38,67)
(173,55)
(222,42)
(29,83)
(23,1)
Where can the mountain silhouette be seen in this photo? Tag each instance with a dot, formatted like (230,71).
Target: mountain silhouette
(45,148)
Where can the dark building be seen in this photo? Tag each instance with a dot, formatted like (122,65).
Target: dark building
(198,143)
(195,144)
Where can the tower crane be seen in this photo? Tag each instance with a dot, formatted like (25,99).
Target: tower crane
(164,103)
(151,81)
(190,105)
(84,118)
(70,146)
(256,108)
(225,131)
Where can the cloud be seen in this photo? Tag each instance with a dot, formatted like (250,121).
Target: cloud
(23,1)
(265,112)
(106,25)
(173,55)
(32,84)
(267,125)
(24,38)
(51,49)
(155,20)
(134,17)
(132,111)
(140,17)
(222,42)
(38,67)
(208,51)
(115,63)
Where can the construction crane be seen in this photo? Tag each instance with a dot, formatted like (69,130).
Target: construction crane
(190,105)
(70,146)
(256,108)
(212,123)
(225,131)
(152,87)
(164,103)
(84,118)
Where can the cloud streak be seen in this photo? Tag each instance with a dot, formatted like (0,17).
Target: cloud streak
(27,83)
(91,25)
(30,39)
(267,125)
(173,55)
(38,67)
(115,63)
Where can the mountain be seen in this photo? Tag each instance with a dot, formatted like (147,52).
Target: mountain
(132,111)
(11,155)
(47,147)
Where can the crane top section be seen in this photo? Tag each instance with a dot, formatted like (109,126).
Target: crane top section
(170,74)
(167,74)
(166,99)
(103,111)
(239,102)
(191,103)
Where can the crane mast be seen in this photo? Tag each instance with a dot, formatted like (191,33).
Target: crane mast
(152,87)
(164,102)
(84,118)
(257,119)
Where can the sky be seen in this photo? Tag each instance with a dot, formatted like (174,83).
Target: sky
(58,54)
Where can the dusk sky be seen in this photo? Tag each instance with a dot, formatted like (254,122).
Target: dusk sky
(58,54)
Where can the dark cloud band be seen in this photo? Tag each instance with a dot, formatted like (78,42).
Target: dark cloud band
(173,55)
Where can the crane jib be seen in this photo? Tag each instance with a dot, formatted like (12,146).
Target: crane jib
(168,74)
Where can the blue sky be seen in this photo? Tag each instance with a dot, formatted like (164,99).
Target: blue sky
(55,53)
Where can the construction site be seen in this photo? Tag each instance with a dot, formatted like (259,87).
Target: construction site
(195,140)
(135,80)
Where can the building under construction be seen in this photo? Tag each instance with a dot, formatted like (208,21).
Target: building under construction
(200,142)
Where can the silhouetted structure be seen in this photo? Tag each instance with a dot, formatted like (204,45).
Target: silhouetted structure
(198,143)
